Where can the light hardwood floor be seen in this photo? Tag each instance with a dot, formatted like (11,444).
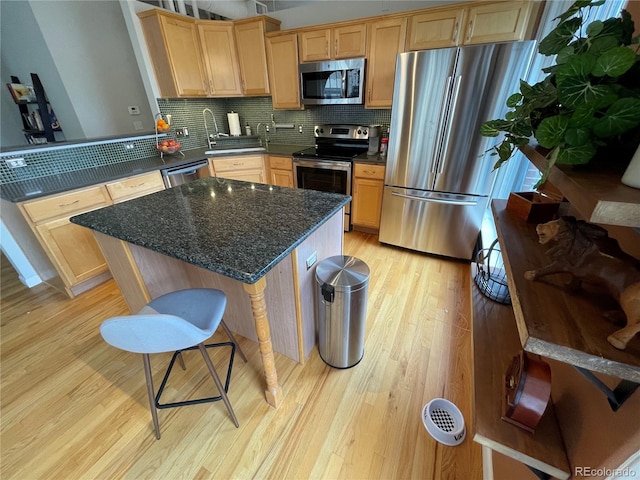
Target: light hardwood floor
(73,407)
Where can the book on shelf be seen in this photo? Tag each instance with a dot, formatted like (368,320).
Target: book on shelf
(22,93)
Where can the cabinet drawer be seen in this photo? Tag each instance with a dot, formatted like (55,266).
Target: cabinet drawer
(136,186)
(363,170)
(67,204)
(281,163)
(237,163)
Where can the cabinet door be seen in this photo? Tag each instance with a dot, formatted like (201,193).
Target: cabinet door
(220,58)
(386,40)
(350,41)
(367,202)
(282,178)
(500,22)
(252,56)
(315,45)
(136,186)
(185,59)
(255,176)
(73,250)
(435,30)
(282,54)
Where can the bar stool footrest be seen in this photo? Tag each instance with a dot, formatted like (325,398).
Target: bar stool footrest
(198,400)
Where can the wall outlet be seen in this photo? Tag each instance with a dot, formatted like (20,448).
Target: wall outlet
(300,128)
(311,260)
(182,132)
(129,146)
(16,162)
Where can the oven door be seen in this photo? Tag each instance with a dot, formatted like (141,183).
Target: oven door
(325,176)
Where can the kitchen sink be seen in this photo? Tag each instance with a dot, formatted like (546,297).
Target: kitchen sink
(222,151)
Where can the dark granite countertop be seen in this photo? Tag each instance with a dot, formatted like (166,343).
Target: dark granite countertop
(63,182)
(237,229)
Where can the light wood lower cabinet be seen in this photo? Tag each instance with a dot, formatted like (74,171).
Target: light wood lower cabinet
(281,171)
(72,249)
(249,168)
(368,186)
(133,187)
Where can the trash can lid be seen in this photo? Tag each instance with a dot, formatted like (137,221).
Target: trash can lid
(343,271)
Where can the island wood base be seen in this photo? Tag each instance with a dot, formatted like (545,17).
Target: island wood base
(285,295)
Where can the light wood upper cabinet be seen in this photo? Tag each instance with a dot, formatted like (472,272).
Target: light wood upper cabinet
(282,57)
(252,55)
(386,40)
(315,45)
(438,29)
(500,22)
(347,41)
(174,47)
(220,58)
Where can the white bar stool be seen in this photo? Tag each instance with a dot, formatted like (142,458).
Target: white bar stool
(175,322)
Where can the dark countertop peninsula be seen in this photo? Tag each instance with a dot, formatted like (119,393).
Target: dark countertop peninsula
(237,229)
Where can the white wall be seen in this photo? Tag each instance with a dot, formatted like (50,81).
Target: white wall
(82,52)
(327,11)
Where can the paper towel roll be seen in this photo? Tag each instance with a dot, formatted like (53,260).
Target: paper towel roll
(234,124)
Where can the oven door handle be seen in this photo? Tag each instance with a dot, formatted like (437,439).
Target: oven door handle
(329,165)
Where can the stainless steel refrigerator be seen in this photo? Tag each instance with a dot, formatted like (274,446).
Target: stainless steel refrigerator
(437,181)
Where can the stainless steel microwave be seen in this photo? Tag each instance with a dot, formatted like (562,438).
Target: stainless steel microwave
(331,83)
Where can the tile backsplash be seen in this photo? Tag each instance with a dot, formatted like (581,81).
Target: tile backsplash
(258,110)
(188,113)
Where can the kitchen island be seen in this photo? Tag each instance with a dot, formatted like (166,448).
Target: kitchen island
(258,243)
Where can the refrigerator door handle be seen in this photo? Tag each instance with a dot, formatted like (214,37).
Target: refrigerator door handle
(463,203)
(441,129)
(447,135)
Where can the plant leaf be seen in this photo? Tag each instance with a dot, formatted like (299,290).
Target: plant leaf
(594,28)
(577,66)
(578,155)
(614,62)
(622,116)
(514,99)
(576,137)
(575,91)
(565,54)
(559,37)
(551,131)
(603,43)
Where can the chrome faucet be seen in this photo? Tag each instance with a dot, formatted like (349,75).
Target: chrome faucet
(211,137)
(266,133)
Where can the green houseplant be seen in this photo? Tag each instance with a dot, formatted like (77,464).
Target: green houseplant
(590,98)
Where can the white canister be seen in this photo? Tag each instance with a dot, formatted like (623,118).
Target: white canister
(234,124)
(631,175)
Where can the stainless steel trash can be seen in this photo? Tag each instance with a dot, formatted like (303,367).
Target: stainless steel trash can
(341,306)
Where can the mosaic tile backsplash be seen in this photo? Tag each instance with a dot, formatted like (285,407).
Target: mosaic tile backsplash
(188,113)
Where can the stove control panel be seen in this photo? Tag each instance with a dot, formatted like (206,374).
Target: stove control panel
(353,132)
